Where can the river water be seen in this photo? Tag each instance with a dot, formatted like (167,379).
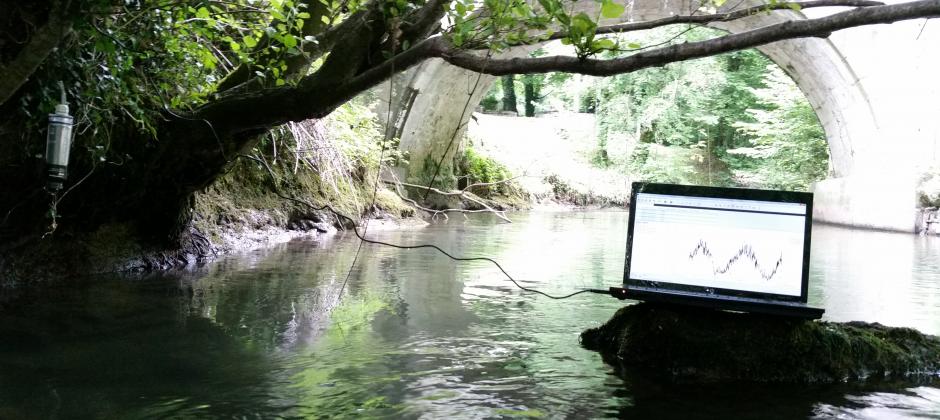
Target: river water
(268,334)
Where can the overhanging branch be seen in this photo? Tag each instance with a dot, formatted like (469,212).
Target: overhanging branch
(425,19)
(820,27)
(315,97)
(15,73)
(725,17)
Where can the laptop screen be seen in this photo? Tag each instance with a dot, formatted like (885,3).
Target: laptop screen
(734,242)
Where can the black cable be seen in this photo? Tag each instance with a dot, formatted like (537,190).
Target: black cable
(527,289)
(490,260)
(437,169)
(378,173)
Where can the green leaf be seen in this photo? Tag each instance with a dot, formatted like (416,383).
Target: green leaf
(202,13)
(582,24)
(289,41)
(611,10)
(634,46)
(325,19)
(795,7)
(250,41)
(603,44)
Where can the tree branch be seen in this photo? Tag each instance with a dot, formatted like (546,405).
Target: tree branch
(723,17)
(489,184)
(43,42)
(821,27)
(425,20)
(461,193)
(314,97)
(317,95)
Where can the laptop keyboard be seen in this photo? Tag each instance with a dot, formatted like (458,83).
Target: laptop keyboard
(718,297)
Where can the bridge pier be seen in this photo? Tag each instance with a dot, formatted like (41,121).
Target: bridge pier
(867,201)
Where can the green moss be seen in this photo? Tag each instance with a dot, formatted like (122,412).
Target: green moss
(445,179)
(519,413)
(245,198)
(690,344)
(441,395)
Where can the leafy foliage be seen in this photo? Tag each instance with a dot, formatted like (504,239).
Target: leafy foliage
(733,119)
(788,147)
(132,61)
(928,188)
(477,168)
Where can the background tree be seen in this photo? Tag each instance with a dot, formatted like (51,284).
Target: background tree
(509,93)
(532,89)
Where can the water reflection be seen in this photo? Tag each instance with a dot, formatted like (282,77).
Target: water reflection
(891,278)
(414,334)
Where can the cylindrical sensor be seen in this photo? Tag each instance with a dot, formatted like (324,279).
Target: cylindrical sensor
(58,144)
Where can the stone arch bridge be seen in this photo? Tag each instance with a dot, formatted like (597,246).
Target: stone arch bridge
(875,89)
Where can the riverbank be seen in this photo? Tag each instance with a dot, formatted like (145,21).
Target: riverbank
(252,206)
(255,205)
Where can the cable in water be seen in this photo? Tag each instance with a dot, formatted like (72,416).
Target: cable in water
(362,238)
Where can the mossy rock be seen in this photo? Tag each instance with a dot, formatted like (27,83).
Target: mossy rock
(687,344)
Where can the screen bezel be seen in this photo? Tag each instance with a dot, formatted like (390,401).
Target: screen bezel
(720,192)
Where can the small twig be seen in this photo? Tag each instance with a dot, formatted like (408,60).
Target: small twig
(434,213)
(921,30)
(24,200)
(488,184)
(263,163)
(460,193)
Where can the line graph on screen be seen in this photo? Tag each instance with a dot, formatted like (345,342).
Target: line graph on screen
(744,255)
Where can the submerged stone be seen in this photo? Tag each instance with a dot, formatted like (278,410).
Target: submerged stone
(699,345)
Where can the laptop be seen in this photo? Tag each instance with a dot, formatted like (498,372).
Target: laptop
(724,248)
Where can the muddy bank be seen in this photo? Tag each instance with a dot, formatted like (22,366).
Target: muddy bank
(704,346)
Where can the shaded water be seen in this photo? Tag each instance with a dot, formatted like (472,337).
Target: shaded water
(266,334)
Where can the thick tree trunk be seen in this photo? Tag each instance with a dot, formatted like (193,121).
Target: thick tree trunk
(509,93)
(531,95)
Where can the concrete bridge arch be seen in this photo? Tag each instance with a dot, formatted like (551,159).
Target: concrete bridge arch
(873,88)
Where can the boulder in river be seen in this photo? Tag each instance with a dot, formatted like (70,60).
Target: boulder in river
(689,344)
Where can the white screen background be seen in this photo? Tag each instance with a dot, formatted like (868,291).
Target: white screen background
(732,248)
